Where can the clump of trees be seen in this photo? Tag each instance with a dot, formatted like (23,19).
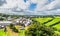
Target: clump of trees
(5,29)
(13,28)
(39,30)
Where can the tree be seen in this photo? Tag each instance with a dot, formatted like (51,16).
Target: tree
(39,30)
(5,29)
(15,30)
(11,26)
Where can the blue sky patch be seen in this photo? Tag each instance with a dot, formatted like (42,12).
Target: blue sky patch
(32,6)
(25,1)
(50,0)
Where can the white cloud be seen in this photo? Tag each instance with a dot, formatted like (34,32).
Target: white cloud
(15,3)
(42,6)
(45,5)
(9,4)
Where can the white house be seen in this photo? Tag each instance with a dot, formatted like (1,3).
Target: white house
(24,21)
(5,23)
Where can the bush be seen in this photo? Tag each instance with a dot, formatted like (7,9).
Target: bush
(15,30)
(39,30)
(11,26)
(5,29)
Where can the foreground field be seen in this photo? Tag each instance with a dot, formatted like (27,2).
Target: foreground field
(2,33)
(22,33)
(10,32)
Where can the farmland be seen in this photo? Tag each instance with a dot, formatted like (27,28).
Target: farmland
(21,33)
(53,22)
(50,22)
(2,33)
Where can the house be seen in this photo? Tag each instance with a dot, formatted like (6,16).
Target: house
(24,21)
(1,26)
(27,22)
(4,23)
(10,19)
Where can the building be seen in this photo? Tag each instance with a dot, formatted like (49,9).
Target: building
(4,23)
(24,21)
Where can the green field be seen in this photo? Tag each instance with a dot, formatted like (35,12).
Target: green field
(42,20)
(53,21)
(2,33)
(22,33)
(57,26)
(11,33)
(50,22)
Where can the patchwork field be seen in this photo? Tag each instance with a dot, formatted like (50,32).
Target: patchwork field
(2,33)
(11,33)
(21,33)
(50,22)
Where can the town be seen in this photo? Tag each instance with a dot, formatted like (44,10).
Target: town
(12,23)
(17,25)
(20,21)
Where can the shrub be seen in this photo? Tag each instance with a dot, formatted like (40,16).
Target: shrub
(39,30)
(15,30)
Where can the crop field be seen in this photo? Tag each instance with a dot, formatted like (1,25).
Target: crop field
(53,22)
(42,20)
(50,22)
(11,33)
(21,33)
(57,26)
(2,33)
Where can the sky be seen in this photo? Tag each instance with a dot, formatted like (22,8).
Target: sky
(30,7)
